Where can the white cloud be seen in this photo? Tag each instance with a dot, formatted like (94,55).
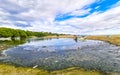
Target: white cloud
(22,22)
(98,23)
(4,22)
(40,14)
(80,12)
(49,9)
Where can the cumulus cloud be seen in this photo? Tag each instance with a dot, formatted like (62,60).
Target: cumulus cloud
(40,15)
(99,23)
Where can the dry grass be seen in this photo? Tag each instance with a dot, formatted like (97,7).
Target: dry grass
(4,46)
(75,71)
(114,39)
(11,70)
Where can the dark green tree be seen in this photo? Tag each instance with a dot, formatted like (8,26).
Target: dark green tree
(5,32)
(13,33)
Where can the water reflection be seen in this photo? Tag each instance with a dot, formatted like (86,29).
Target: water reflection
(76,39)
(13,42)
(53,54)
(5,44)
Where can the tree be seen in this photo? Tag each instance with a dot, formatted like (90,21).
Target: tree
(5,32)
(30,33)
(22,34)
(13,33)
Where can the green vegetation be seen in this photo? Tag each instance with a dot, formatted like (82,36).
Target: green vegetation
(75,71)
(11,70)
(4,44)
(13,33)
(113,39)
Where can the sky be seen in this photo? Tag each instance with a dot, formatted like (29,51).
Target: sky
(81,17)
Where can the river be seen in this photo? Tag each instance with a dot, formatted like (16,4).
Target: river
(55,54)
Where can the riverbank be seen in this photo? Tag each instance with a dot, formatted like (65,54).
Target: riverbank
(113,39)
(12,70)
(4,46)
(75,71)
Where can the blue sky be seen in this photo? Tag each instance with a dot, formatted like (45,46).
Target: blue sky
(84,17)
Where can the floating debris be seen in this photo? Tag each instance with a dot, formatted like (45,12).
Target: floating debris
(35,66)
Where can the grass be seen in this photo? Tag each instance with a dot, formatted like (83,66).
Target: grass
(113,39)
(12,70)
(75,71)
(4,46)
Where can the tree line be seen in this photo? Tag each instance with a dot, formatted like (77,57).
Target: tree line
(8,32)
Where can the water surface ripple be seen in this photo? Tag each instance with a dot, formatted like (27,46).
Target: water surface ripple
(53,54)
